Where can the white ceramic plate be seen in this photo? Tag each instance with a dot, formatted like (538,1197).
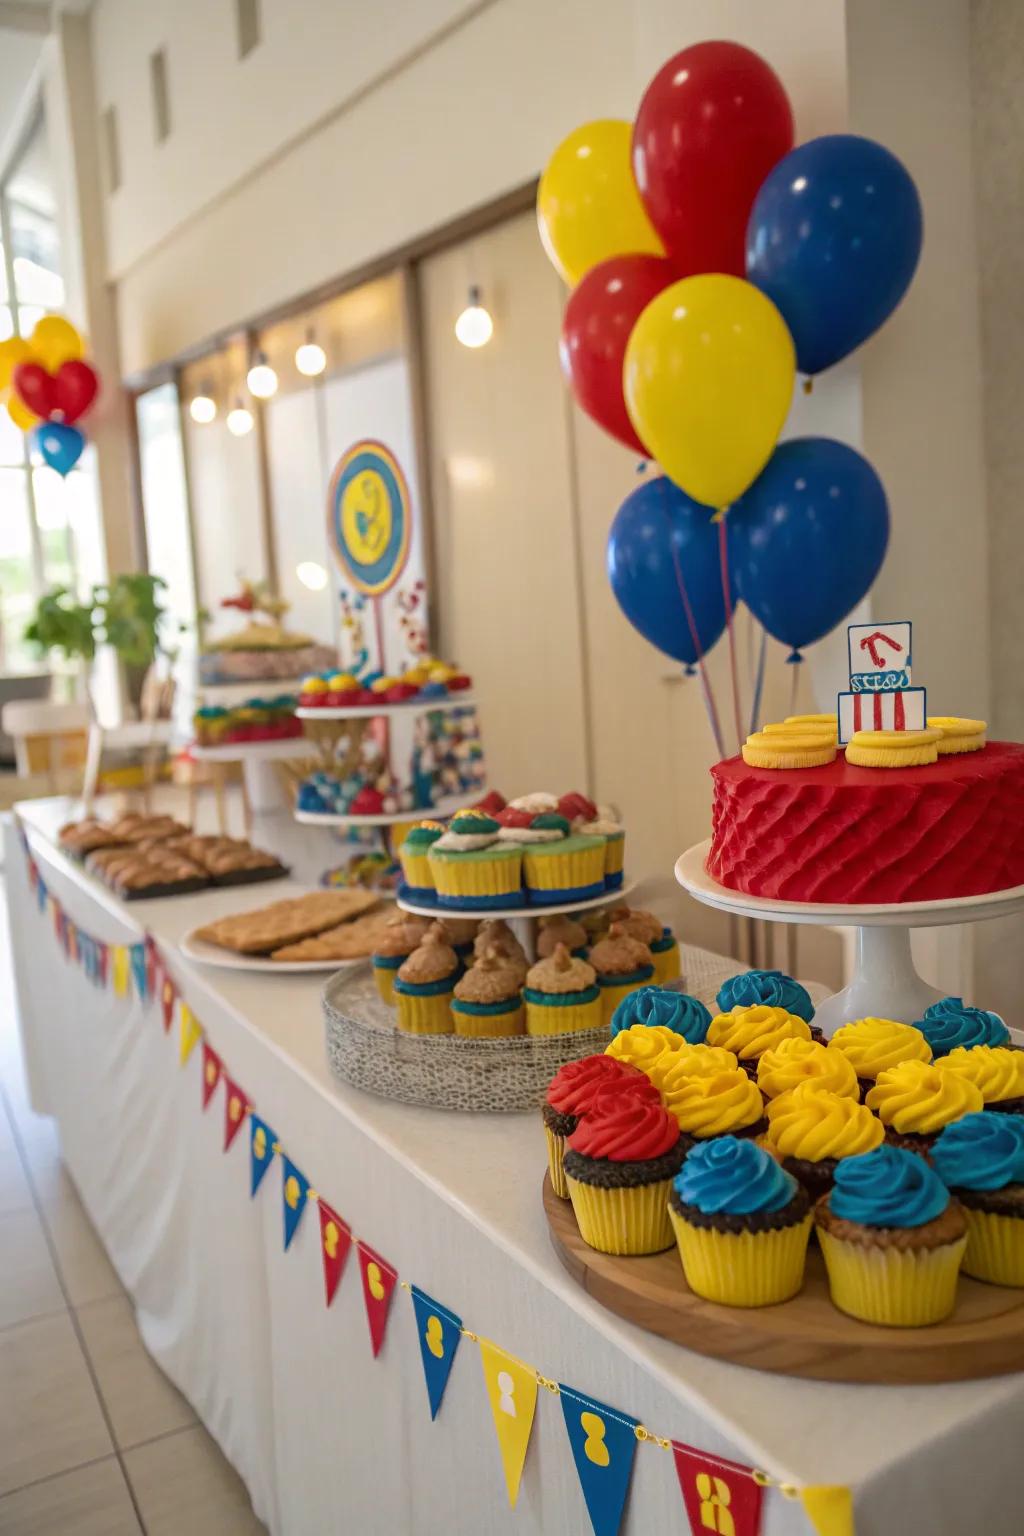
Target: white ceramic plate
(197,949)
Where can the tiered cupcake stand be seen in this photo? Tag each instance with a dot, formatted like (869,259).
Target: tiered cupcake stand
(523,919)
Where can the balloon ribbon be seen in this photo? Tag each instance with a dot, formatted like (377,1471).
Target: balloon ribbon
(723,557)
(758,683)
(706,692)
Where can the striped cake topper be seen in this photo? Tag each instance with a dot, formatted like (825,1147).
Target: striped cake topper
(880,696)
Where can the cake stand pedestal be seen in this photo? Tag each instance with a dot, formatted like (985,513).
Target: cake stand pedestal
(885,981)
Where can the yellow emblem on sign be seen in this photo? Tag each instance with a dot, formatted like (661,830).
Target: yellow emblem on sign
(366,516)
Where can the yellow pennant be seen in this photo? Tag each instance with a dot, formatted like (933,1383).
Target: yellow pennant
(829,1509)
(190,1031)
(120,969)
(512,1389)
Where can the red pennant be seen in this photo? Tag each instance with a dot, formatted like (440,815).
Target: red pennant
(335,1242)
(212,1068)
(236,1107)
(379,1281)
(168,998)
(719,1495)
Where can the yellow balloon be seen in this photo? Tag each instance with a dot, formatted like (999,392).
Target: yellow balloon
(55,341)
(588,207)
(12,352)
(708,379)
(18,411)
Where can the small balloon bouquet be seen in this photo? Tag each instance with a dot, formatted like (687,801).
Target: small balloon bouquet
(47,386)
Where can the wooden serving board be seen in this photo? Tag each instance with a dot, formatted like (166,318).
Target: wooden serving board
(807,1336)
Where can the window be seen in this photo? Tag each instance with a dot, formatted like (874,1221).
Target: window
(111,150)
(161,102)
(247,16)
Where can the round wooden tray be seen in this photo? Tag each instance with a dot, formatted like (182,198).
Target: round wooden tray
(807,1336)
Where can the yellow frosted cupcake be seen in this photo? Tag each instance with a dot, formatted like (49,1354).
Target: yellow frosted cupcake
(424,986)
(915,1100)
(749,1032)
(741,1224)
(786,1065)
(487,1002)
(400,937)
(870,1045)
(622,964)
(644,1046)
(668,1071)
(619,1166)
(561,995)
(707,1104)
(810,1130)
(981,1159)
(996,1069)
(892,1239)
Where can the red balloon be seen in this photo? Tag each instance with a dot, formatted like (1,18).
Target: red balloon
(602,310)
(75,388)
(35,388)
(712,123)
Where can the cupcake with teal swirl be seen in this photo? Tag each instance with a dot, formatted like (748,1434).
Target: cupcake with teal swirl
(654,1005)
(981,1159)
(892,1238)
(741,1224)
(412,855)
(487,1001)
(471,869)
(773,988)
(950,1024)
(561,995)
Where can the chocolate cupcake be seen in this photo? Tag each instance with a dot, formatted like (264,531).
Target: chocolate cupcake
(871,1045)
(713,1102)
(997,1070)
(773,988)
(685,1015)
(572,1092)
(619,1168)
(950,1023)
(810,1130)
(793,1062)
(916,1100)
(749,1032)
(981,1159)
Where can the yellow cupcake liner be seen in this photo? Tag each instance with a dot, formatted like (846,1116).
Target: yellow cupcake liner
(614,853)
(897,1287)
(565,1019)
(612,995)
(430,1015)
(667,965)
(416,869)
(743,1269)
(489,1026)
(564,871)
(623,1221)
(556,1149)
(384,981)
(995,1247)
(478,877)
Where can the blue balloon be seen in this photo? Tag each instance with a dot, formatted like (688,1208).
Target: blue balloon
(808,538)
(833,240)
(60,445)
(656,529)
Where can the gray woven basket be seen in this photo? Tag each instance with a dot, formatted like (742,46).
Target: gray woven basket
(451,1071)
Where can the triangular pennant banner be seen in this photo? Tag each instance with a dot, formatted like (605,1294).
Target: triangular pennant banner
(439,1332)
(236,1105)
(42,895)
(335,1243)
(71,940)
(262,1146)
(379,1281)
(295,1191)
(211,1073)
(138,968)
(168,997)
(603,1445)
(152,964)
(120,969)
(190,1031)
(102,961)
(512,1390)
(829,1508)
(719,1495)
(87,956)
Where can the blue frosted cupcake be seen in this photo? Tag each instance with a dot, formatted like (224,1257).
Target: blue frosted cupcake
(685,1015)
(981,1159)
(773,988)
(949,1024)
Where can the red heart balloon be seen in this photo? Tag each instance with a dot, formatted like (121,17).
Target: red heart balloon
(35,388)
(75,388)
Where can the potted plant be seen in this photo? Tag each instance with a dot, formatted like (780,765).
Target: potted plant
(125,613)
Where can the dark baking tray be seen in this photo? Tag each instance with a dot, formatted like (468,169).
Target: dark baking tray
(252,876)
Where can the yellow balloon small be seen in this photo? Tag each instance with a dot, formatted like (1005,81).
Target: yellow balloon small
(18,411)
(588,206)
(55,341)
(13,351)
(708,379)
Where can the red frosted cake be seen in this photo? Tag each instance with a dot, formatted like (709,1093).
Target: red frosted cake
(843,834)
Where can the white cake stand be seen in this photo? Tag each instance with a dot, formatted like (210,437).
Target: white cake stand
(885,983)
(522,919)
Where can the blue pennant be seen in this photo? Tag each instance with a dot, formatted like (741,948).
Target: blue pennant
(42,894)
(137,959)
(262,1142)
(87,955)
(603,1446)
(294,1191)
(439,1332)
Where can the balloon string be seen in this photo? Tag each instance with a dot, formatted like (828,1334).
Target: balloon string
(794,682)
(723,558)
(755,707)
(705,682)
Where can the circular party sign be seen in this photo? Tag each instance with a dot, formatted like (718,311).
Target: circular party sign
(369,516)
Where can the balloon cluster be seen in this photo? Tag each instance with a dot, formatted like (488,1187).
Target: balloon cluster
(709,260)
(46,386)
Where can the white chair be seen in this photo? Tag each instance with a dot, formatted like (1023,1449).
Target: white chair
(49,739)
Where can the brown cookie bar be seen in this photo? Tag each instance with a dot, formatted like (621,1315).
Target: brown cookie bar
(349,941)
(134,828)
(82,837)
(286,922)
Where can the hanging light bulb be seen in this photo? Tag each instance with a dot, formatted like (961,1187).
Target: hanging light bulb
(312,575)
(202,408)
(474,327)
(239,420)
(261,378)
(310,358)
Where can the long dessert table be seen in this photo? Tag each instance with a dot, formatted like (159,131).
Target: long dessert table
(326,1437)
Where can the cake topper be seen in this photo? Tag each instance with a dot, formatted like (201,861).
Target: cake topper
(880,696)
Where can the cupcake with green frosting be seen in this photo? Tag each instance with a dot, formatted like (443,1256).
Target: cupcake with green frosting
(412,855)
(561,995)
(471,868)
(487,1002)
(981,1159)
(559,866)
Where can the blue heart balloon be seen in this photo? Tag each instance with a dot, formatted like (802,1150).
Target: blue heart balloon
(808,538)
(60,445)
(833,239)
(659,539)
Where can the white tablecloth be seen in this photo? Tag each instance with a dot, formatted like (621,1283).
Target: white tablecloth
(328,1439)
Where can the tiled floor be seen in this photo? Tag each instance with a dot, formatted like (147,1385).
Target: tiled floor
(94,1439)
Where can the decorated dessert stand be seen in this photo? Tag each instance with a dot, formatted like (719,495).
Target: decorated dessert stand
(521,919)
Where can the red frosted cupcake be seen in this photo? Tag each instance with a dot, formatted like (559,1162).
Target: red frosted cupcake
(619,1168)
(572,1092)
